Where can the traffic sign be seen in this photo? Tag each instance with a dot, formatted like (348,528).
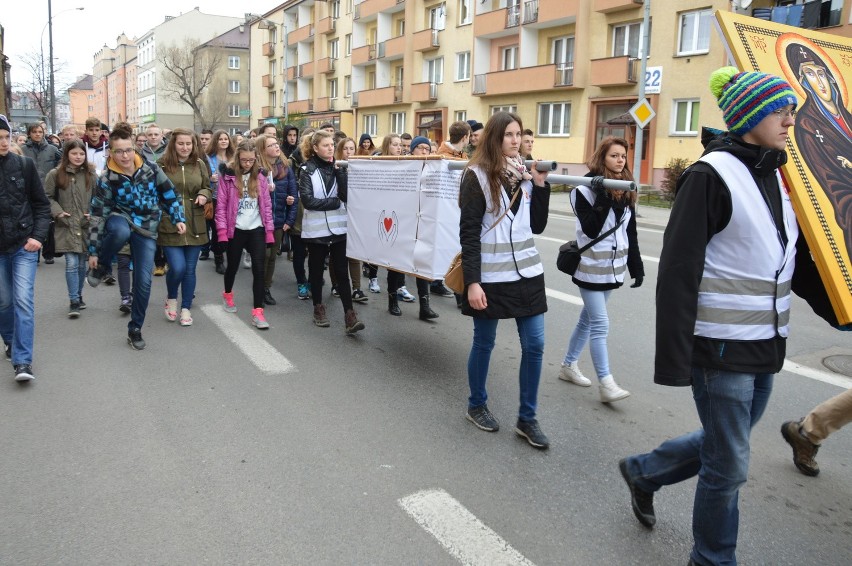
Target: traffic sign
(642,113)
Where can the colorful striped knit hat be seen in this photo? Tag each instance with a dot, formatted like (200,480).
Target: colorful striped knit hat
(747,98)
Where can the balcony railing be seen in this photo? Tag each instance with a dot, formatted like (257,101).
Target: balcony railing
(564,74)
(268,49)
(433,91)
(354,103)
(397,92)
(513,16)
(479,84)
(531,11)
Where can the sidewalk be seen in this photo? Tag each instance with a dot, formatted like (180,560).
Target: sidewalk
(647,216)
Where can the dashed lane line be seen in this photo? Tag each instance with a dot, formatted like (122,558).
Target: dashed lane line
(458,530)
(256,349)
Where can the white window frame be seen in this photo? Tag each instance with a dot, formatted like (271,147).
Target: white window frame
(513,52)
(334,9)
(465,12)
(564,127)
(233,111)
(334,48)
(347,86)
(234,87)
(371,124)
(460,116)
(233,61)
(347,40)
(332,88)
(433,70)
(437,16)
(637,27)
(691,114)
(562,50)
(504,108)
(697,17)
(397,122)
(463,66)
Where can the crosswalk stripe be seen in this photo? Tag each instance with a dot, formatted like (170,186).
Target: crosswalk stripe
(256,349)
(458,530)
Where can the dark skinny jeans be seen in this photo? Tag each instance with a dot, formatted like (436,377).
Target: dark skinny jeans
(254,242)
(316,266)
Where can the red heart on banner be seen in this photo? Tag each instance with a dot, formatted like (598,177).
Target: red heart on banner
(388,224)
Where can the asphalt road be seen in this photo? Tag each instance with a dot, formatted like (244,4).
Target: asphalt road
(195,451)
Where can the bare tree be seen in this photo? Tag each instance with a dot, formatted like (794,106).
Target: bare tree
(36,81)
(188,76)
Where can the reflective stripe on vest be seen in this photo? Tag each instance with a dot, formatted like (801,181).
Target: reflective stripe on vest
(323,223)
(508,251)
(606,261)
(744,292)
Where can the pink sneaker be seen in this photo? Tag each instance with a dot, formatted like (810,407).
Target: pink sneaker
(228,302)
(258,319)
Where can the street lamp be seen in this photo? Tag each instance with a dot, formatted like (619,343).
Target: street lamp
(269,24)
(50,54)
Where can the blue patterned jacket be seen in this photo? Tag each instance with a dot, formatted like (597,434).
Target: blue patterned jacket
(141,199)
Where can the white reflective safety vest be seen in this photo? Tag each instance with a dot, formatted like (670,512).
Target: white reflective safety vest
(508,251)
(323,223)
(745,288)
(606,261)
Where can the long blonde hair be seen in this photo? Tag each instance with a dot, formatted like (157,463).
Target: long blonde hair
(245,146)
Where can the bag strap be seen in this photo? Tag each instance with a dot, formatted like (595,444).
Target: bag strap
(511,203)
(601,236)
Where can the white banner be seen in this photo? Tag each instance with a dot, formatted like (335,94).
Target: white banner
(403,215)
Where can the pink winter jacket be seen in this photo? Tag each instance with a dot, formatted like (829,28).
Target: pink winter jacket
(227,204)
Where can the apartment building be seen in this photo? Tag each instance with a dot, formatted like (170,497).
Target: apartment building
(82,97)
(569,68)
(225,102)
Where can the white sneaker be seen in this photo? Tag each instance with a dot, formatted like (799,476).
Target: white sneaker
(185,317)
(403,294)
(246,260)
(170,308)
(610,391)
(571,372)
(374,285)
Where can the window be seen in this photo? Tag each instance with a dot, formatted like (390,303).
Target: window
(626,40)
(463,66)
(829,13)
(273,102)
(399,76)
(695,32)
(234,62)
(562,50)
(335,9)
(370,124)
(371,80)
(273,35)
(234,130)
(509,58)
(400,27)
(334,48)
(437,16)
(348,43)
(434,70)
(465,12)
(509,108)
(460,116)
(347,85)
(554,119)
(332,88)
(685,117)
(349,6)
(397,121)
(234,87)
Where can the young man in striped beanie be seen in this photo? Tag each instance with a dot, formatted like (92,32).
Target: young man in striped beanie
(731,254)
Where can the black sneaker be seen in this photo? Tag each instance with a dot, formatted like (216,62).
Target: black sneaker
(440,290)
(532,432)
(24,373)
(109,279)
(482,418)
(134,338)
(126,304)
(8,348)
(641,501)
(48,260)
(74,310)
(358,296)
(268,299)
(82,304)
(94,276)
(204,256)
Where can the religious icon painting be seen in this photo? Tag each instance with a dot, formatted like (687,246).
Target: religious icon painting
(818,173)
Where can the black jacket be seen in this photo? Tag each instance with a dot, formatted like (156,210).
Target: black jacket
(329,175)
(525,297)
(24,208)
(703,208)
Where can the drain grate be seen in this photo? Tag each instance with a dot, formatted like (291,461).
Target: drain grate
(839,364)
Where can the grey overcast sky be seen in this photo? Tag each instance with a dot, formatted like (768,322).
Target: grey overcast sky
(78,35)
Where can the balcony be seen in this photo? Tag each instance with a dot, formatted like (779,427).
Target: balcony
(268,81)
(613,71)
(326,25)
(322,105)
(607,6)
(551,12)
(369,9)
(426,40)
(540,78)
(392,48)
(363,55)
(491,23)
(267,111)
(513,16)
(326,65)
(268,49)
(300,106)
(424,92)
(304,33)
(531,11)
(305,71)
(377,97)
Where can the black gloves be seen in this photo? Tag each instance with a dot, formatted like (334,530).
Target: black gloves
(597,184)
(637,282)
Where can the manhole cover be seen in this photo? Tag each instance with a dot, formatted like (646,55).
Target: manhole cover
(839,364)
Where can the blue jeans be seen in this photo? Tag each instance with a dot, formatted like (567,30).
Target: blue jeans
(75,275)
(593,327)
(729,405)
(116,234)
(182,261)
(17,310)
(531,333)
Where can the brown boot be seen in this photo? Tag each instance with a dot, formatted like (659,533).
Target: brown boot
(352,323)
(320,319)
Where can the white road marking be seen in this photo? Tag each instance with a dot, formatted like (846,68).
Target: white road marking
(458,530)
(818,375)
(563,296)
(257,350)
